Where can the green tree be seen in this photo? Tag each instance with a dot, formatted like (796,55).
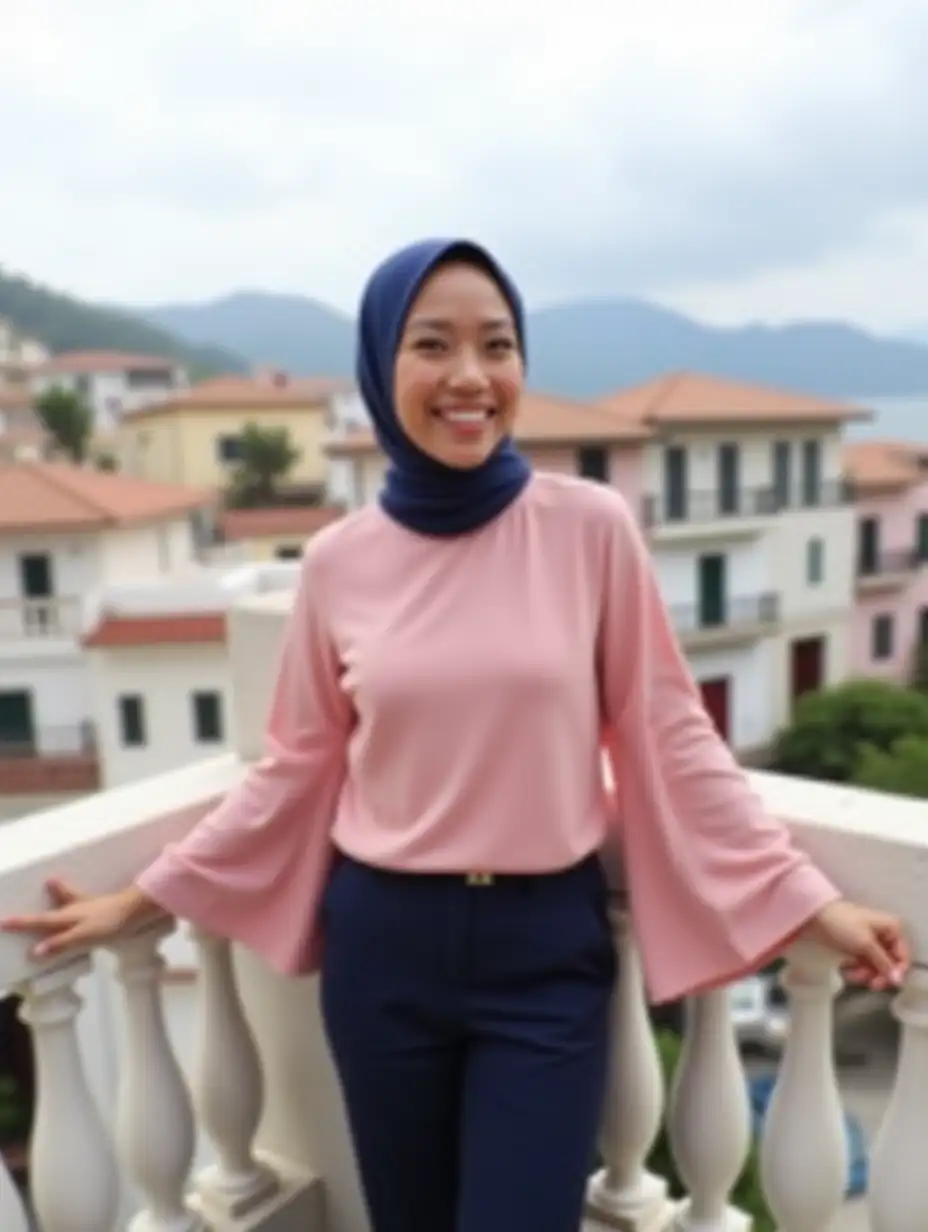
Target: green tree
(266,458)
(829,728)
(68,420)
(747,1193)
(902,769)
(106,461)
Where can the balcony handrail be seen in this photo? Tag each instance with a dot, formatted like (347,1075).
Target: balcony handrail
(891,560)
(62,740)
(761,608)
(79,840)
(51,616)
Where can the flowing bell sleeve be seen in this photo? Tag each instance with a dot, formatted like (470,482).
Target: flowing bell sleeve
(716,886)
(254,869)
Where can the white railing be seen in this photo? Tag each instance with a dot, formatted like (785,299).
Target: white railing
(271,1161)
(80,1173)
(39,619)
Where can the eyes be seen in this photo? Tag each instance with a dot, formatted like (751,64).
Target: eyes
(434,346)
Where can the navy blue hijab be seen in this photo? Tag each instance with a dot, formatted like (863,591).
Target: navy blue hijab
(420,492)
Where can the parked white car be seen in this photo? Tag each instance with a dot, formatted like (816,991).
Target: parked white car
(757,1019)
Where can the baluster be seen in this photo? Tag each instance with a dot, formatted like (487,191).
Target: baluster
(229,1088)
(623,1193)
(155,1134)
(898,1176)
(72,1169)
(804,1159)
(709,1117)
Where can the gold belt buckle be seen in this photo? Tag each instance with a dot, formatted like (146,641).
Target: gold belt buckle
(479,879)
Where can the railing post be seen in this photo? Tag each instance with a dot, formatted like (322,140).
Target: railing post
(709,1117)
(73,1174)
(898,1175)
(804,1160)
(155,1129)
(624,1194)
(228,1089)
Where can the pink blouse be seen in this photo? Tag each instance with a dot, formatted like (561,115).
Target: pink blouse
(441,705)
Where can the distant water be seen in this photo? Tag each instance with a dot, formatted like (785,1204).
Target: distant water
(904,418)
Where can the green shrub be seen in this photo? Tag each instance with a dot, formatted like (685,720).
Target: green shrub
(830,728)
(747,1193)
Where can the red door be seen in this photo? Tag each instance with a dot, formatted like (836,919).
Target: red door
(807,666)
(716,698)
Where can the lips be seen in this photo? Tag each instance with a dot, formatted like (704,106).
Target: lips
(465,416)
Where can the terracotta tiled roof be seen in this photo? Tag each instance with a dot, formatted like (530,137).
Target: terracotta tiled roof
(80,362)
(257,393)
(888,466)
(542,420)
(190,628)
(43,496)
(237,524)
(682,398)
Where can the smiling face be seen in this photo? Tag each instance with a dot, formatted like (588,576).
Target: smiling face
(458,373)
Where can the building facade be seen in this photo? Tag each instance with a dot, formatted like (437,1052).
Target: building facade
(66,534)
(194,438)
(111,383)
(889,480)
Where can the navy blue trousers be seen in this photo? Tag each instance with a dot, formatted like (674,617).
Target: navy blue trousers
(470,1029)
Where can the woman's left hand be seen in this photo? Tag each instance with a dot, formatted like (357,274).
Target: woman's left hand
(872,943)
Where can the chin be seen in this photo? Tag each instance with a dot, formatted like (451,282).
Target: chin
(467,459)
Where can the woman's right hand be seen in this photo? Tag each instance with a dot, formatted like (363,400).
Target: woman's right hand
(79,922)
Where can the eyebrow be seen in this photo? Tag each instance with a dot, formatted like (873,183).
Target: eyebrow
(445,326)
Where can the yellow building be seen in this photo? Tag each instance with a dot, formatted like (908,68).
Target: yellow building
(273,534)
(192,438)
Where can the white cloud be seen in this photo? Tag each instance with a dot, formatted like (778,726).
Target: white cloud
(713,154)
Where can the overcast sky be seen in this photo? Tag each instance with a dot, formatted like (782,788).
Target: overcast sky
(737,158)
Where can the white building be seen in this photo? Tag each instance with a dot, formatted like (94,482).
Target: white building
(752,535)
(159,670)
(112,383)
(19,353)
(67,533)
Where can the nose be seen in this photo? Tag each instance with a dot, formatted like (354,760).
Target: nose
(467,371)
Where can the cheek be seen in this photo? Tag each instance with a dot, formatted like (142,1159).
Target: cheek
(413,391)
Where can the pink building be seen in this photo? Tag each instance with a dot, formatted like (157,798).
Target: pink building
(890,484)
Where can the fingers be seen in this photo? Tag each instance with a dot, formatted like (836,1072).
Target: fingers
(62,893)
(70,939)
(46,922)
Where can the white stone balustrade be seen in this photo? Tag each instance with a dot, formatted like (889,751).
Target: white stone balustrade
(262,1087)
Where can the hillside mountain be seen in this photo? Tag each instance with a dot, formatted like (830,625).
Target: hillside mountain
(583,348)
(67,324)
(301,335)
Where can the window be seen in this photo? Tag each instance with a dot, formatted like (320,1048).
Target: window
(228,448)
(921,537)
(288,551)
(711,590)
(868,546)
(675,483)
(593,463)
(811,473)
(207,717)
(131,707)
(728,464)
(923,626)
(815,561)
(782,474)
(881,636)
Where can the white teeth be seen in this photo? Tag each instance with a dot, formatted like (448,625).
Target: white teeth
(466,417)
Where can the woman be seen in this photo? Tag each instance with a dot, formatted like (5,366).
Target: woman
(457,656)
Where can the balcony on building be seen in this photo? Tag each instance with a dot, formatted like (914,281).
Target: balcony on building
(729,511)
(885,571)
(216,1107)
(48,761)
(46,619)
(718,620)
